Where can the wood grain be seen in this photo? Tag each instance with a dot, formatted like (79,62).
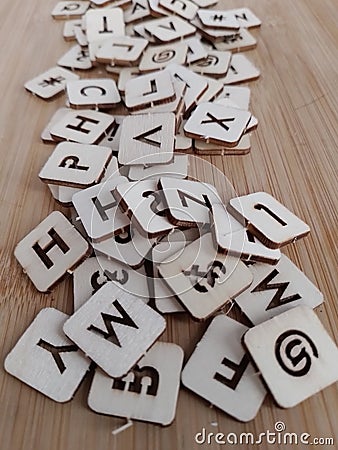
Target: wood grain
(293,157)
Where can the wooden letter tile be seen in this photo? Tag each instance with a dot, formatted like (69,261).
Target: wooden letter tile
(115,329)
(45,359)
(204,280)
(240,70)
(177,168)
(95,272)
(138,10)
(196,50)
(269,220)
(69,29)
(144,204)
(49,251)
(159,56)
(57,116)
(76,165)
(70,9)
(99,211)
(76,58)
(219,370)
(233,238)
(93,93)
(188,202)
(277,289)
(50,83)
(147,139)
(84,127)
(295,355)
(218,19)
(238,95)
(122,50)
(218,124)
(147,90)
(239,41)
(168,29)
(149,392)
(184,8)
(245,17)
(216,64)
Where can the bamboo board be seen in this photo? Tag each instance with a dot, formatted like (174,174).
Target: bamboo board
(293,156)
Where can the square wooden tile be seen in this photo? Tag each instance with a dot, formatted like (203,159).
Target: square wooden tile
(93,93)
(50,83)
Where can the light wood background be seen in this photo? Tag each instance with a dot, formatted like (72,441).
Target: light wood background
(293,156)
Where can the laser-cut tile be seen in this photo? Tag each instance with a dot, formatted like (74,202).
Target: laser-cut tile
(50,83)
(115,329)
(159,56)
(45,134)
(236,94)
(123,50)
(75,165)
(93,93)
(70,9)
(295,355)
(214,89)
(240,41)
(138,10)
(69,29)
(188,201)
(183,8)
(76,58)
(149,392)
(196,50)
(204,280)
(218,124)
(84,127)
(177,168)
(269,220)
(50,250)
(277,289)
(112,138)
(240,70)
(147,139)
(168,29)
(218,19)
(216,64)
(208,148)
(99,211)
(46,360)
(143,202)
(147,90)
(219,370)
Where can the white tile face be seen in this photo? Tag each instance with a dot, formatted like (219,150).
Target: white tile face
(50,250)
(95,272)
(196,50)
(99,211)
(236,94)
(76,58)
(149,392)
(76,165)
(215,88)
(112,138)
(205,3)
(148,90)
(70,9)
(215,64)
(84,127)
(138,10)
(204,280)
(156,10)
(183,8)
(121,50)
(143,201)
(188,201)
(147,139)
(50,83)
(93,93)
(196,84)
(233,238)
(168,29)
(177,168)
(295,355)
(81,38)
(46,360)
(159,56)
(114,329)
(241,69)
(126,74)
(102,24)
(45,134)
(129,247)
(268,219)
(218,19)
(240,41)
(218,124)
(69,29)
(277,289)
(245,17)
(219,370)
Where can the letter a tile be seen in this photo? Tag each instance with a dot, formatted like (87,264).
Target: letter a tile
(149,392)
(115,329)
(217,124)
(277,289)
(50,250)
(147,139)
(45,359)
(295,355)
(219,370)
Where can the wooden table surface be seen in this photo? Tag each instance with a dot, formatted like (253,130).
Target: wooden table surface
(293,156)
